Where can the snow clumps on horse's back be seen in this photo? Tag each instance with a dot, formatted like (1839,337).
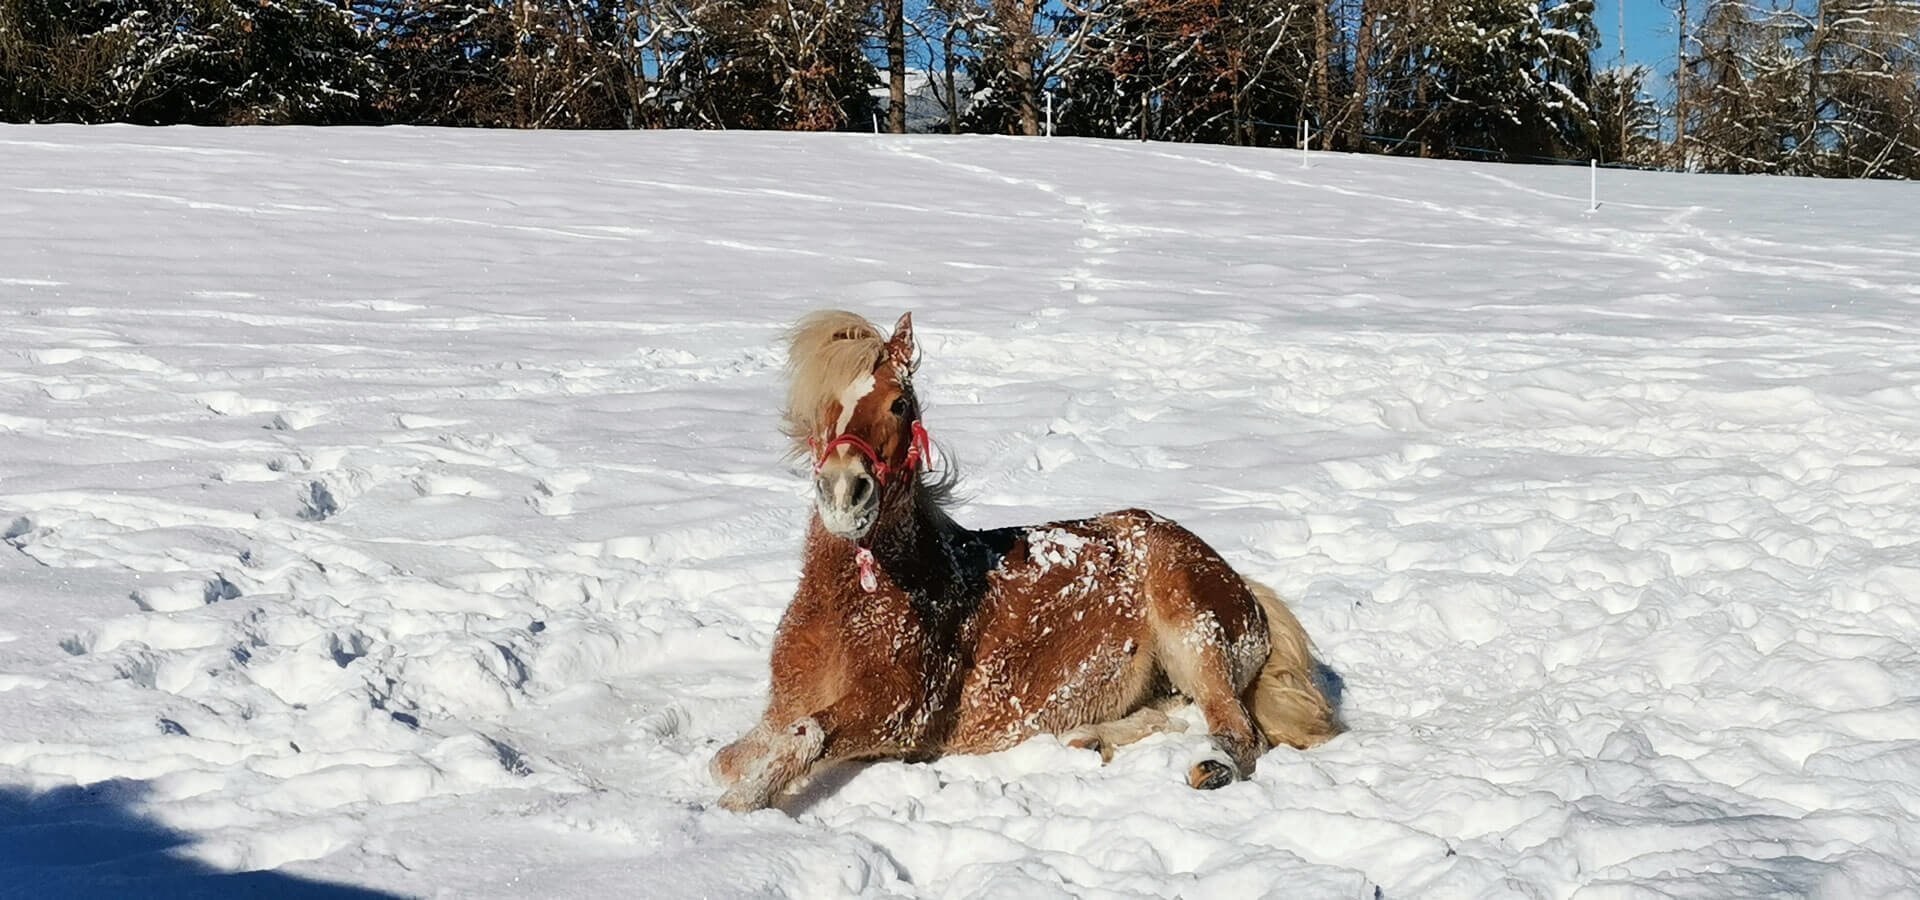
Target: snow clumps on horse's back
(826,351)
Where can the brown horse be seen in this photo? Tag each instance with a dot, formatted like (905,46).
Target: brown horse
(911,636)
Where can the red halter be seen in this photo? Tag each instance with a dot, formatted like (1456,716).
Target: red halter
(920,450)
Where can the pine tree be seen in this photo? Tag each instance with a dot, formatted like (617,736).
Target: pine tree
(299,62)
(447,61)
(203,62)
(1627,123)
(1188,70)
(771,64)
(1512,76)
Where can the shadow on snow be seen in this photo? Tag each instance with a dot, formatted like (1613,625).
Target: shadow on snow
(89,842)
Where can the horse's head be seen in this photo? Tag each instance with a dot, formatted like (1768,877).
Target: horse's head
(851,408)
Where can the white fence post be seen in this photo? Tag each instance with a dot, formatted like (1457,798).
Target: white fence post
(1593,185)
(876,123)
(1049,114)
(1306,140)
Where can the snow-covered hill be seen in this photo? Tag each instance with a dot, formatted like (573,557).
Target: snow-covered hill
(404,509)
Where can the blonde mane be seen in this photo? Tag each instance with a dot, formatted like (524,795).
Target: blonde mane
(826,350)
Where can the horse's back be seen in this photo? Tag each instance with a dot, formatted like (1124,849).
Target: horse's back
(1067,631)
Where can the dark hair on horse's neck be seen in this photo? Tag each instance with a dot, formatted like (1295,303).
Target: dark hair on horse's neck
(932,494)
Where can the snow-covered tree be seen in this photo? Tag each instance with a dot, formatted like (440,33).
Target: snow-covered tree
(204,62)
(1748,86)
(1826,87)
(947,29)
(1627,123)
(447,59)
(1863,112)
(1509,76)
(300,62)
(1009,66)
(1188,70)
(770,64)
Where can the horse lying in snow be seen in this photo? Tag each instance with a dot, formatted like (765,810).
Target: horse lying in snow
(911,636)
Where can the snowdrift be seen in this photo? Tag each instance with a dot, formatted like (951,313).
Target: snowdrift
(404,509)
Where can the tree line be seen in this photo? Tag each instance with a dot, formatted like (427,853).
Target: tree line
(1820,87)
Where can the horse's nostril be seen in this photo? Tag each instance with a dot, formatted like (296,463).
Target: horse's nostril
(862,487)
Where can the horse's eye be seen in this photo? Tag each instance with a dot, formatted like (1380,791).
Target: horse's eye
(900,406)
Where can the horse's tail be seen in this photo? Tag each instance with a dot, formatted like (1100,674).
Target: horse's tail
(1286,699)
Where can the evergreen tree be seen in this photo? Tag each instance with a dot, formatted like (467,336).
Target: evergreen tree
(1187,70)
(448,61)
(1819,87)
(299,62)
(1627,124)
(1511,76)
(202,62)
(771,64)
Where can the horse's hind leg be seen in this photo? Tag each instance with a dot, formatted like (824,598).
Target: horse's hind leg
(1107,737)
(1210,640)
(1201,671)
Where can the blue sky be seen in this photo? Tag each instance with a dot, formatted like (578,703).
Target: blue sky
(1650,37)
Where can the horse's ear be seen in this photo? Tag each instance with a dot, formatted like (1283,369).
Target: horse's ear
(900,346)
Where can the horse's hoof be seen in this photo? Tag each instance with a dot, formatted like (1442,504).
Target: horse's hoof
(725,765)
(1210,774)
(741,801)
(1085,741)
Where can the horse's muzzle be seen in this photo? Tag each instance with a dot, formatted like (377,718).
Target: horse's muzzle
(847,498)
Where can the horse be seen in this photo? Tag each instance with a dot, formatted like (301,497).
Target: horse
(910,636)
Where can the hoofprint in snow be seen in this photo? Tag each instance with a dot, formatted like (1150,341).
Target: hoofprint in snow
(404,509)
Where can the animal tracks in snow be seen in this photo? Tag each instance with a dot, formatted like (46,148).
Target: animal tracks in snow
(448,573)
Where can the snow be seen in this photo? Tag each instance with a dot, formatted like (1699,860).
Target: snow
(405,509)
(1054,547)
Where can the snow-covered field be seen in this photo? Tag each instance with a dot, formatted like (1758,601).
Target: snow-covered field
(404,509)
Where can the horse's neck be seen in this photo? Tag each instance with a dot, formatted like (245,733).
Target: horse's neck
(911,545)
(915,549)
(908,541)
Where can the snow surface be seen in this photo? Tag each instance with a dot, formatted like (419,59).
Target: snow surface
(404,509)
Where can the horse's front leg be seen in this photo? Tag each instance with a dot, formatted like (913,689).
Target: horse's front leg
(728,765)
(759,766)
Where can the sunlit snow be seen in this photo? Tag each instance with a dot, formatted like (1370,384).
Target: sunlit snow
(406,509)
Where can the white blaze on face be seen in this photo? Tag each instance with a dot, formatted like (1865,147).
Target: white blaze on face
(850,397)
